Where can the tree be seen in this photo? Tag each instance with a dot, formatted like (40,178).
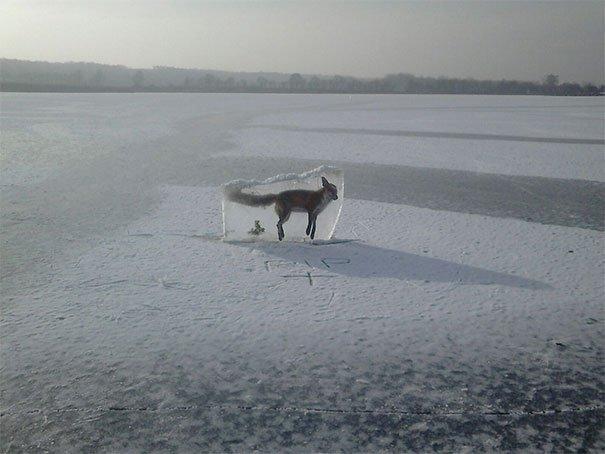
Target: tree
(77,77)
(138,78)
(210,81)
(98,79)
(314,83)
(296,82)
(338,83)
(551,80)
(262,82)
(590,89)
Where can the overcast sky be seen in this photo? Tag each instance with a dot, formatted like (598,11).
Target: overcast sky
(481,39)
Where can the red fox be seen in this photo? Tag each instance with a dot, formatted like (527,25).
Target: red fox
(311,202)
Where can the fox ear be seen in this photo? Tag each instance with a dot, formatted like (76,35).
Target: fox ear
(324,181)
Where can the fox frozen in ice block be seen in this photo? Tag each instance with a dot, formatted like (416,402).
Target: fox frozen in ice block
(300,200)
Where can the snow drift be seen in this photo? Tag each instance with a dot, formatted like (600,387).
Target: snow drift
(249,223)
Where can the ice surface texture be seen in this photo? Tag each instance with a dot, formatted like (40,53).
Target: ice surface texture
(250,223)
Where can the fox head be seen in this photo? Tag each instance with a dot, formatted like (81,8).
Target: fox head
(330,189)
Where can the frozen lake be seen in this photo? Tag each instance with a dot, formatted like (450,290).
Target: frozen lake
(464,310)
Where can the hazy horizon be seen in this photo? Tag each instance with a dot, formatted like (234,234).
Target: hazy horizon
(482,40)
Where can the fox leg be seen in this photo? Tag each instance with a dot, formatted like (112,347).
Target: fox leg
(280,228)
(313,228)
(310,223)
(284,215)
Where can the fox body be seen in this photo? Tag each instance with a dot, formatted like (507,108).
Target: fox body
(297,200)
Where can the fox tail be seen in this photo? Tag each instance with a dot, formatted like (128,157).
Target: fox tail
(253,200)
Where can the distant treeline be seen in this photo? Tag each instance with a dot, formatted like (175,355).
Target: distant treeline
(26,76)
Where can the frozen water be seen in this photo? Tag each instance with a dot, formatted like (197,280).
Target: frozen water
(458,309)
(244,223)
(548,137)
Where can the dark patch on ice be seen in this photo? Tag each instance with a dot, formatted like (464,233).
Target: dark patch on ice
(362,260)
(555,201)
(223,422)
(436,134)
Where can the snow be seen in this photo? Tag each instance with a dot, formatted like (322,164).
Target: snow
(525,139)
(490,156)
(246,223)
(128,322)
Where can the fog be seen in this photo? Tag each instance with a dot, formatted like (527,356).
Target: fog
(488,40)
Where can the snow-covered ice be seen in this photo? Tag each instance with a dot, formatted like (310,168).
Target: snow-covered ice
(515,137)
(128,323)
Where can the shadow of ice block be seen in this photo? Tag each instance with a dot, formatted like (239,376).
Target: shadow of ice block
(253,223)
